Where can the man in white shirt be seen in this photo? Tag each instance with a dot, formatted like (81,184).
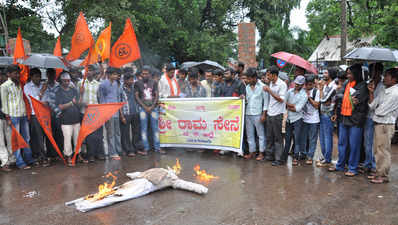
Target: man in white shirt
(311,119)
(34,89)
(275,110)
(207,83)
(385,107)
(168,85)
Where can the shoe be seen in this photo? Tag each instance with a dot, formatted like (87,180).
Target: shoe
(309,162)
(294,162)
(276,163)
(45,163)
(6,169)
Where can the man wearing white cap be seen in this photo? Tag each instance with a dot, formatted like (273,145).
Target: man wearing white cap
(67,99)
(295,101)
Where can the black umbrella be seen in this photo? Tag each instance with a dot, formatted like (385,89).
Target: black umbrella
(373,54)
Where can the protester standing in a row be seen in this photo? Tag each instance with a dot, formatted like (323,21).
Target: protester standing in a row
(13,106)
(275,110)
(385,107)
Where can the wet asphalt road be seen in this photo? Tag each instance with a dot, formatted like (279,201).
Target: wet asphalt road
(247,192)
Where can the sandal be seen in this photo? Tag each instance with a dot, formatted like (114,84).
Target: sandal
(116,157)
(309,162)
(248,156)
(294,162)
(260,157)
(131,154)
(379,180)
(332,169)
(142,153)
(349,174)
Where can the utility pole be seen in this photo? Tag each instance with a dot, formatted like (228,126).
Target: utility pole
(343,35)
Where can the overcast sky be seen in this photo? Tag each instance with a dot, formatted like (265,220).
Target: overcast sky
(297,16)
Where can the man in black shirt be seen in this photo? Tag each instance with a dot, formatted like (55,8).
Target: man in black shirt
(67,99)
(147,96)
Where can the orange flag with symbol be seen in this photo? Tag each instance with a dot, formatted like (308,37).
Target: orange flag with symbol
(58,52)
(17,141)
(102,47)
(43,115)
(126,48)
(81,39)
(94,117)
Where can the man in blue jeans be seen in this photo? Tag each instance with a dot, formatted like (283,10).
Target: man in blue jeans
(147,96)
(110,91)
(327,91)
(14,109)
(296,99)
(311,119)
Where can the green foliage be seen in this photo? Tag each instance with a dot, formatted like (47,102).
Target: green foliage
(31,28)
(364,18)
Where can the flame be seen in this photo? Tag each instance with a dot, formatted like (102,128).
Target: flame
(177,167)
(103,189)
(202,176)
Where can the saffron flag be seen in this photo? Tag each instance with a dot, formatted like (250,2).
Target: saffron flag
(81,39)
(43,115)
(58,52)
(126,48)
(19,53)
(17,141)
(88,61)
(94,117)
(102,47)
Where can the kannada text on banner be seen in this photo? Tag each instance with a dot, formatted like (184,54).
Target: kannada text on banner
(212,123)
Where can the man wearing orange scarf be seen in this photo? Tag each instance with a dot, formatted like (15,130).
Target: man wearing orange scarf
(168,85)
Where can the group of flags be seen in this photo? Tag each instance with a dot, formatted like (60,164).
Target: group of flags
(124,50)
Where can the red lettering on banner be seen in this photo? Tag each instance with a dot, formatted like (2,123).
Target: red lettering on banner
(164,125)
(227,125)
(192,124)
(234,107)
(201,108)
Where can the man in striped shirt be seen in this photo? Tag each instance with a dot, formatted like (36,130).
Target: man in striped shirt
(89,95)
(14,109)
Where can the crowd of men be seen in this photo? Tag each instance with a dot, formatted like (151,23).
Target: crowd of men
(282,116)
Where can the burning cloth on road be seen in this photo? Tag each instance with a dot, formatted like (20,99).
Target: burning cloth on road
(142,183)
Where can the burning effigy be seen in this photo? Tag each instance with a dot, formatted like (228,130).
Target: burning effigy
(142,183)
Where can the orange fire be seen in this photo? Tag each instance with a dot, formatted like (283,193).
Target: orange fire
(103,189)
(202,176)
(177,167)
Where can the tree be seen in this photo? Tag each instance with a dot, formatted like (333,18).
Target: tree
(184,30)
(364,18)
(31,27)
